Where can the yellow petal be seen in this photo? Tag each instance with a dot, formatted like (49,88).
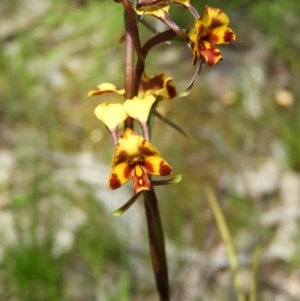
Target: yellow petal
(139,108)
(156,165)
(111,115)
(120,175)
(213,17)
(132,145)
(158,10)
(220,35)
(106,88)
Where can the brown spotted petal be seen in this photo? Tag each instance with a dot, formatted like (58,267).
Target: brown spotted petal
(120,175)
(156,165)
(220,35)
(158,85)
(132,145)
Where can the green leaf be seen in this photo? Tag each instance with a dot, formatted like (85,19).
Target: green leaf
(150,121)
(175,126)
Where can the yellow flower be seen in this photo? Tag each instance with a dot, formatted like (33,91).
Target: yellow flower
(135,158)
(211,29)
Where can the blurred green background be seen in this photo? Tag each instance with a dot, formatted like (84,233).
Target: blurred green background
(58,238)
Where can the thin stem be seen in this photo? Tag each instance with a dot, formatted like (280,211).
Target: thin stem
(132,40)
(129,72)
(155,231)
(133,28)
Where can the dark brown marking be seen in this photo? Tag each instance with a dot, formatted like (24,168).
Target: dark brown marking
(128,171)
(121,157)
(164,169)
(145,151)
(114,181)
(149,167)
(228,36)
(215,22)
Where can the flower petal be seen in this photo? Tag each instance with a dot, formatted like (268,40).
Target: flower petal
(158,85)
(220,35)
(213,17)
(106,88)
(158,10)
(132,145)
(156,165)
(211,56)
(140,179)
(139,108)
(111,115)
(120,175)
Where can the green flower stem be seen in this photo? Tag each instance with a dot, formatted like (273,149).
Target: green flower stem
(157,245)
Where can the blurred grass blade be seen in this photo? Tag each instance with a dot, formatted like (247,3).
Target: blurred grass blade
(127,205)
(225,234)
(173,180)
(254,273)
(175,126)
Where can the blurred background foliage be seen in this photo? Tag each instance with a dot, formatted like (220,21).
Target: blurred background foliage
(58,239)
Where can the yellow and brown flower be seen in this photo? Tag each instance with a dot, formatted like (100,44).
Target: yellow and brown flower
(135,158)
(211,29)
